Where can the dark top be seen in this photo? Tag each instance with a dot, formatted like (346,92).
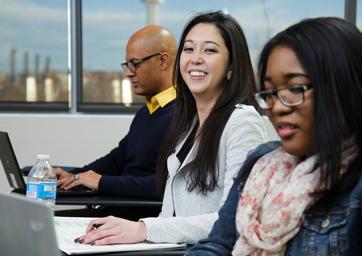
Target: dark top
(129,169)
(184,151)
(325,230)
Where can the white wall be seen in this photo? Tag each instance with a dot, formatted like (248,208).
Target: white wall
(271,132)
(72,140)
(69,139)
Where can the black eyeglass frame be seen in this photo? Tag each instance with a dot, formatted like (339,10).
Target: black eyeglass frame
(275,93)
(135,62)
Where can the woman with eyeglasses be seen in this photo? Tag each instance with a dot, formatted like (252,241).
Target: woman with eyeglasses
(214,128)
(302,196)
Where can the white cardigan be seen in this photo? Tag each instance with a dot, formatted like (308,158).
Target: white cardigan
(195,212)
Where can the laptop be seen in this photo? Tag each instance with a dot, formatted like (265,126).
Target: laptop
(29,234)
(28,228)
(15,175)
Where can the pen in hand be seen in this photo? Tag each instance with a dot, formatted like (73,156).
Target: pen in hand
(95,226)
(79,240)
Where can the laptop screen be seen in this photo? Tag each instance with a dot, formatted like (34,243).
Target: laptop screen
(26,227)
(10,164)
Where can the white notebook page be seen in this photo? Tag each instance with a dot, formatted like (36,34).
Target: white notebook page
(69,228)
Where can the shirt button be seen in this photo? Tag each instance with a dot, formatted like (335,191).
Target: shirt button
(325,223)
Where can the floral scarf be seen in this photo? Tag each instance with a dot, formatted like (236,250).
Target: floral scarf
(278,191)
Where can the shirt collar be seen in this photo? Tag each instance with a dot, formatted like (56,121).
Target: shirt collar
(161,99)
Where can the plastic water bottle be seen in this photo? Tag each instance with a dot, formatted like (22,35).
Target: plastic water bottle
(42,181)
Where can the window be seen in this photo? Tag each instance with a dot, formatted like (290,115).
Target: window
(359,15)
(259,19)
(34,71)
(107,26)
(33,55)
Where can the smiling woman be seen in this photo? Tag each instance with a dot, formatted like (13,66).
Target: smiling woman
(204,64)
(215,127)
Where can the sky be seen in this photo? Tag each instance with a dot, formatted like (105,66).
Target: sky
(40,26)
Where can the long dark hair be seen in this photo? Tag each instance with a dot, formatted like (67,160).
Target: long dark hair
(330,51)
(202,172)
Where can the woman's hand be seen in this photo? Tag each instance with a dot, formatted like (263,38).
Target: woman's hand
(112,230)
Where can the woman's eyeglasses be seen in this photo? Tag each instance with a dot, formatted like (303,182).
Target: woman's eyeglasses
(290,97)
(134,63)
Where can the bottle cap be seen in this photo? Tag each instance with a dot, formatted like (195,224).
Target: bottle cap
(42,156)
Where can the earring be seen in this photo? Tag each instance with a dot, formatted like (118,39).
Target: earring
(228,75)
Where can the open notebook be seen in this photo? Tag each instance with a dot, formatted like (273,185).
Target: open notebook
(28,228)
(69,228)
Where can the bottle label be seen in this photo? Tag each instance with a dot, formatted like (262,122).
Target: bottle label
(41,190)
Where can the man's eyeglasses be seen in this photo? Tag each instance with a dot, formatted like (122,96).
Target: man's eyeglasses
(134,63)
(290,97)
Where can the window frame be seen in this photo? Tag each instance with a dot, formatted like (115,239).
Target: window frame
(75,60)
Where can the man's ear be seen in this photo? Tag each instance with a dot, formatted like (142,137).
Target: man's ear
(165,60)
